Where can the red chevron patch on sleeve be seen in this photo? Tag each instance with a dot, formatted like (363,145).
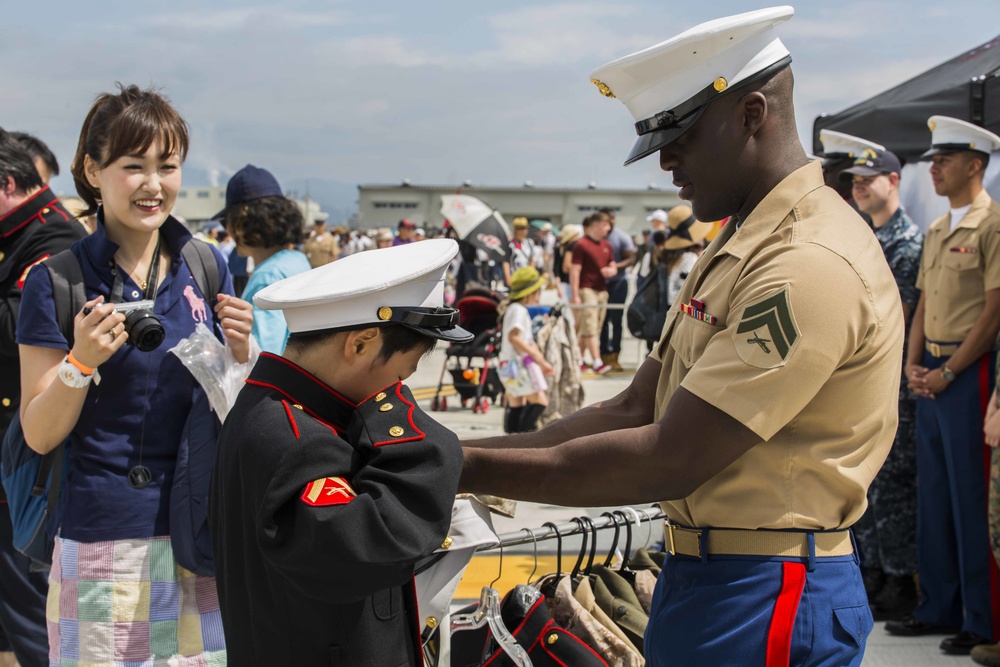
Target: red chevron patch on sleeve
(328,491)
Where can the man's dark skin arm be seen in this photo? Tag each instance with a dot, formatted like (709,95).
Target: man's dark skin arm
(607,462)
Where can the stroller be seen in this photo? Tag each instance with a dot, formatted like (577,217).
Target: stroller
(473,375)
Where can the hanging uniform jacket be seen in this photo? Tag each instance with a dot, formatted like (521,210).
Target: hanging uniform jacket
(319,510)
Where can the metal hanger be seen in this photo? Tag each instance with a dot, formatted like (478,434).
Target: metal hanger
(534,547)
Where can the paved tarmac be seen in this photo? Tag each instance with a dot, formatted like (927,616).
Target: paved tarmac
(883,650)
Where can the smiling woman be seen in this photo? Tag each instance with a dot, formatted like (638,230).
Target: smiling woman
(113,564)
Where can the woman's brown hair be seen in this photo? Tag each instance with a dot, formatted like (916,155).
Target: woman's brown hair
(127,123)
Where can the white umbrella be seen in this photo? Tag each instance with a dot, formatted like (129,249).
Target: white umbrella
(477,224)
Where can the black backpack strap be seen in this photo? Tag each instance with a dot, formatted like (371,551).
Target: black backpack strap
(69,295)
(204,269)
(67,290)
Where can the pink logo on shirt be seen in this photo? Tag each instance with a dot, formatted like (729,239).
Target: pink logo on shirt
(198,311)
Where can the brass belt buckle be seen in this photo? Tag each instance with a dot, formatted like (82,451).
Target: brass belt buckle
(670,533)
(934,349)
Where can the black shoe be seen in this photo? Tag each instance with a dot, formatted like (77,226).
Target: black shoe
(913,627)
(896,600)
(962,643)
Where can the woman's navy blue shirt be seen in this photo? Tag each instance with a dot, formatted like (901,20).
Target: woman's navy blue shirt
(139,407)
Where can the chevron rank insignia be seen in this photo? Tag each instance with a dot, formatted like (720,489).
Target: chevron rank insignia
(328,491)
(766,334)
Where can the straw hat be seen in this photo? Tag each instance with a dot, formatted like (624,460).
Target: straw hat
(570,233)
(683,231)
(383,235)
(525,281)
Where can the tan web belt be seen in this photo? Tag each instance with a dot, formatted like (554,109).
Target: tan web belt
(941,349)
(687,542)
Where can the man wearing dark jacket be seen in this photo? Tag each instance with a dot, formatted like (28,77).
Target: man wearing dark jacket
(33,226)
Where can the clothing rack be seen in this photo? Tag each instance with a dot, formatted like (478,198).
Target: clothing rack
(570,528)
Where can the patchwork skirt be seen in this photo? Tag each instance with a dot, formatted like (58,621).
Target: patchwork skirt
(128,603)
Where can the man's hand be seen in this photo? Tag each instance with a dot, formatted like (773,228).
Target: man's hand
(916,378)
(991,424)
(609,271)
(934,382)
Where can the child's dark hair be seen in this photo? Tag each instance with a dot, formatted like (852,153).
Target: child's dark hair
(266,222)
(396,339)
(126,124)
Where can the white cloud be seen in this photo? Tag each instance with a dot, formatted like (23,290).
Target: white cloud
(231,19)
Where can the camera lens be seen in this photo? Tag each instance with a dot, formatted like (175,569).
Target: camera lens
(144,330)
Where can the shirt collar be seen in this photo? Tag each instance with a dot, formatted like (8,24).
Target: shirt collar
(29,209)
(302,388)
(103,249)
(781,201)
(892,226)
(975,214)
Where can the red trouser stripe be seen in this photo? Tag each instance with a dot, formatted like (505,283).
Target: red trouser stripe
(779,637)
(985,392)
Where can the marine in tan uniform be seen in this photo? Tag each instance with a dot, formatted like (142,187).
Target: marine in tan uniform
(950,366)
(769,403)
(321,247)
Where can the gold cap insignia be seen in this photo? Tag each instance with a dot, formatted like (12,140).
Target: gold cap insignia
(603,87)
(931,124)
(385,407)
(447,543)
(396,431)
(972,144)
(384,313)
(720,84)
(380,396)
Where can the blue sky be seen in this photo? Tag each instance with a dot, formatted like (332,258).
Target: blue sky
(438,92)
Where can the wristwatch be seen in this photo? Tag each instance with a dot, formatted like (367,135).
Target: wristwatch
(947,374)
(72,374)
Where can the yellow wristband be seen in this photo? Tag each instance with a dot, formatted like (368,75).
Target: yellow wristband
(86,370)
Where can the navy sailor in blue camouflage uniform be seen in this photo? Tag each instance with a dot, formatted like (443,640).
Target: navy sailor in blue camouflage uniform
(330,482)
(887,532)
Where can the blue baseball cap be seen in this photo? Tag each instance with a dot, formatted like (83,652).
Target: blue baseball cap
(247,184)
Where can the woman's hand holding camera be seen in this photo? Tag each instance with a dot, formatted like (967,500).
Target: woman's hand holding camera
(98,332)
(236,318)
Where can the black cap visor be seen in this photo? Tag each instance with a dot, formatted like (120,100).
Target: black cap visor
(455,334)
(440,323)
(947,149)
(861,170)
(665,127)
(647,144)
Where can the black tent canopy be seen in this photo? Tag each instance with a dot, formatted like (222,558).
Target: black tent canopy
(966,87)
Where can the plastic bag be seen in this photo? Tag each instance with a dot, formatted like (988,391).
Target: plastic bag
(212,363)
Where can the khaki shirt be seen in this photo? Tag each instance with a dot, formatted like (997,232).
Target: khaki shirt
(321,249)
(957,268)
(806,351)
